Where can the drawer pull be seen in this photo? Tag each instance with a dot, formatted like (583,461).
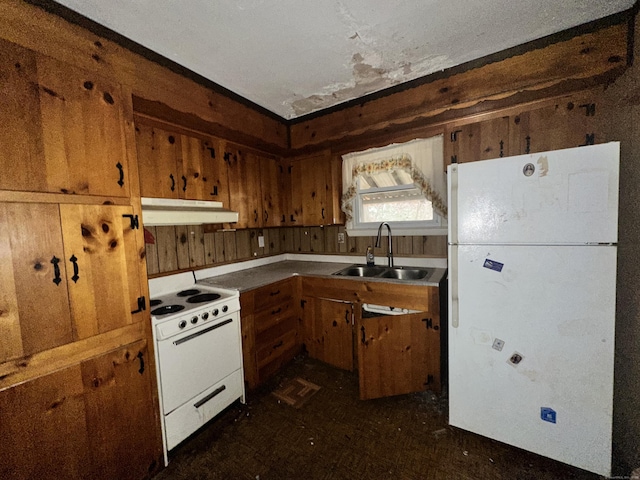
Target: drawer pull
(204,400)
(276,311)
(277,345)
(273,294)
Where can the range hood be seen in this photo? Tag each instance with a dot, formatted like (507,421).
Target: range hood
(165,211)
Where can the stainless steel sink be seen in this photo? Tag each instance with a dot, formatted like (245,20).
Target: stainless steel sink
(405,273)
(360,271)
(397,273)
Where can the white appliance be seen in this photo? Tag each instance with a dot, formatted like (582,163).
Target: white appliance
(198,351)
(532,291)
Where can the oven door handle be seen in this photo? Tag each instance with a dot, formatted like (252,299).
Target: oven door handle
(202,332)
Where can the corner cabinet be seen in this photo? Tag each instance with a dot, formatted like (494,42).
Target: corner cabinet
(64,128)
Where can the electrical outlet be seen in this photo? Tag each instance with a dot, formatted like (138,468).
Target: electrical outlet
(261,241)
(341,238)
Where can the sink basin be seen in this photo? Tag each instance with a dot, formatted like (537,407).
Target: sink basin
(360,271)
(405,273)
(396,273)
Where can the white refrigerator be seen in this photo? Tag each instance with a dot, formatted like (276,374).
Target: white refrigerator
(532,292)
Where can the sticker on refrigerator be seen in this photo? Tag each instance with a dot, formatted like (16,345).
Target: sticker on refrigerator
(498,344)
(548,414)
(493,265)
(515,359)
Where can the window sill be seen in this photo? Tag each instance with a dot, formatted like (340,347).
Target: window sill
(370,232)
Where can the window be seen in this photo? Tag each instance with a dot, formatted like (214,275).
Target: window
(402,184)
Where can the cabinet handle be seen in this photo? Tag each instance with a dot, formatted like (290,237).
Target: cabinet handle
(255,216)
(141,358)
(323,213)
(184,186)
(292,219)
(173,182)
(121,171)
(273,312)
(273,294)
(56,270)
(364,339)
(74,260)
(284,219)
(216,392)
(215,191)
(346,316)
(277,345)
(266,216)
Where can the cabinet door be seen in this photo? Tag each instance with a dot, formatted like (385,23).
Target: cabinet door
(393,354)
(33,288)
(295,172)
(191,158)
(158,162)
(91,420)
(63,127)
(328,333)
(271,194)
(121,416)
(477,141)
(244,186)
(214,171)
(102,260)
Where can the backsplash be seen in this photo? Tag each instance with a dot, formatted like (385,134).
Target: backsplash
(187,247)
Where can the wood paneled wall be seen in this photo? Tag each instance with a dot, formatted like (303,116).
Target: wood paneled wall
(176,248)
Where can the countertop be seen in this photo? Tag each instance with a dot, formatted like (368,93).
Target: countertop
(251,278)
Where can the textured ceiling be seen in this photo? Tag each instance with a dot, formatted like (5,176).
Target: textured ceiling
(295,57)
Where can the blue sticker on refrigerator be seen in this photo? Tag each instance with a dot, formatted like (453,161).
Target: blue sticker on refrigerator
(493,265)
(548,414)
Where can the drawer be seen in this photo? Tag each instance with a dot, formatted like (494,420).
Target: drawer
(188,418)
(268,352)
(266,298)
(269,317)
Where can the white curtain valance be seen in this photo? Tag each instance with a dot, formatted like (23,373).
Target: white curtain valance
(420,159)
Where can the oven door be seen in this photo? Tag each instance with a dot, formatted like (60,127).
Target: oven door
(193,361)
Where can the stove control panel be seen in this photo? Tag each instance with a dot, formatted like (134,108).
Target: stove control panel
(195,318)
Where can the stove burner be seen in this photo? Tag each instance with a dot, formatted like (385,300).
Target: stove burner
(154,302)
(167,309)
(203,297)
(188,293)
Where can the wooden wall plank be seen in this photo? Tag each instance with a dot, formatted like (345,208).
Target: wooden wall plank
(167,253)
(230,246)
(210,249)
(182,246)
(287,240)
(221,254)
(243,244)
(316,239)
(151,252)
(196,246)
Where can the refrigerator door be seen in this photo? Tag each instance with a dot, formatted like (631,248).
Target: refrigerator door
(561,197)
(531,342)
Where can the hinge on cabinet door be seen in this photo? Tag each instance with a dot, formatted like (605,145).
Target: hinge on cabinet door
(429,379)
(212,152)
(454,135)
(227,157)
(428,322)
(589,139)
(589,109)
(135,224)
(142,305)
(454,158)
(527,148)
(215,191)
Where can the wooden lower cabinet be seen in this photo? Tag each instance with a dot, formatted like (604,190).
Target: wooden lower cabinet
(398,354)
(270,318)
(328,330)
(93,420)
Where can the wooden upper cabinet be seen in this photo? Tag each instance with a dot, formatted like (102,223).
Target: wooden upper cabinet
(245,194)
(65,283)
(63,127)
(214,172)
(477,141)
(191,158)
(312,189)
(271,173)
(158,162)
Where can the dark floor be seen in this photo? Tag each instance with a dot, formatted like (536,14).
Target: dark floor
(337,436)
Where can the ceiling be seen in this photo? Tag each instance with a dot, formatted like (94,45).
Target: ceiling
(295,57)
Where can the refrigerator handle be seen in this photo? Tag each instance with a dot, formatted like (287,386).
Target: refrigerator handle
(453,285)
(452,200)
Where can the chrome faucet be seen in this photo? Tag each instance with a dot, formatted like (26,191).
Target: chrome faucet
(390,252)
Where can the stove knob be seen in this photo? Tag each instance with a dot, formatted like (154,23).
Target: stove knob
(194,320)
(225,308)
(205,315)
(215,312)
(182,324)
